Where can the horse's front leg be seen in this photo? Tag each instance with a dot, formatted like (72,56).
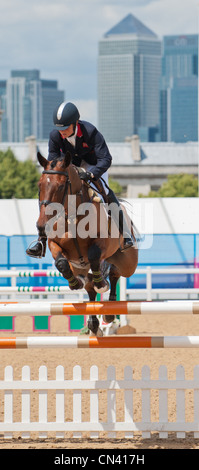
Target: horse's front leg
(63,266)
(94,257)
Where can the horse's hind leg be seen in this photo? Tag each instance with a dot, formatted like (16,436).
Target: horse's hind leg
(93,322)
(94,255)
(93,325)
(113,277)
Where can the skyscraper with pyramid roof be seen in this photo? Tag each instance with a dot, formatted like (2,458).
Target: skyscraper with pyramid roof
(129,67)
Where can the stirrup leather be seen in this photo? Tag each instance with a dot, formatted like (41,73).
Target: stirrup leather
(129,244)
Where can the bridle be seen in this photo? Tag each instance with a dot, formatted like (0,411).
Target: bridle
(46,202)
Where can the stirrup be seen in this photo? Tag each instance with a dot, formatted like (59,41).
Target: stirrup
(42,252)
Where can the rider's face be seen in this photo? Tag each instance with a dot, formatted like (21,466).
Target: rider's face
(67,132)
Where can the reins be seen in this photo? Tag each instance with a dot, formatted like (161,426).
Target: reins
(47,202)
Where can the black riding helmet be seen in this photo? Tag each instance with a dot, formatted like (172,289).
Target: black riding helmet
(64,115)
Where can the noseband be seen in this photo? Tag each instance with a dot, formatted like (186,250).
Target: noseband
(56,172)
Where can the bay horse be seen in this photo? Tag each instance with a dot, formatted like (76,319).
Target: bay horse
(84,261)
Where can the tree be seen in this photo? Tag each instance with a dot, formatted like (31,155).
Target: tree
(17,179)
(20,179)
(181,185)
(115,186)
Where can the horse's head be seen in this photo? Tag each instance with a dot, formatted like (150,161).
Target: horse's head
(58,180)
(54,179)
(65,161)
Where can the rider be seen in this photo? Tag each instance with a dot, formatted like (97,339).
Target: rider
(89,150)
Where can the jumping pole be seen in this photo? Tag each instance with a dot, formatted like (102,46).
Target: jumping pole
(92,342)
(99,308)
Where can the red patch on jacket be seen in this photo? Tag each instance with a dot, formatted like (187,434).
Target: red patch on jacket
(84,144)
(79,131)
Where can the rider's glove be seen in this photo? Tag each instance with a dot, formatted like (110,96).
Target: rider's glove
(86,176)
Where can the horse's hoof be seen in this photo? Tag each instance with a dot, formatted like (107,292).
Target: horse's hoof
(99,332)
(93,325)
(103,288)
(108,318)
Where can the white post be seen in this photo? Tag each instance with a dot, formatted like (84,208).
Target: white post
(94,402)
(149,283)
(77,400)
(122,288)
(13,282)
(25,398)
(60,401)
(43,401)
(8,402)
(123,318)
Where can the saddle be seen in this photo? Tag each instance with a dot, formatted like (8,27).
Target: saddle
(93,194)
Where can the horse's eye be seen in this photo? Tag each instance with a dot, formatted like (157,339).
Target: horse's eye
(61,187)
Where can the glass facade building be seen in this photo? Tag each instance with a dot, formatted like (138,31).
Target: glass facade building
(28,103)
(51,97)
(179,89)
(129,66)
(180,56)
(3,107)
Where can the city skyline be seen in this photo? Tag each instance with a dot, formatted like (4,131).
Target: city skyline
(28,103)
(62,42)
(129,75)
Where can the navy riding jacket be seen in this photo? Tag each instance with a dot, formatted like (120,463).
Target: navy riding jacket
(90,146)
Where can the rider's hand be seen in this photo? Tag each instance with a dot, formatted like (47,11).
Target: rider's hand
(86,176)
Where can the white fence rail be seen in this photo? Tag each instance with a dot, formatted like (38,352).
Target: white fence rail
(150,292)
(134,417)
(15,292)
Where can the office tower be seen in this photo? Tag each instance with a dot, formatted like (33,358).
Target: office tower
(129,66)
(2,108)
(24,113)
(179,89)
(51,97)
(28,103)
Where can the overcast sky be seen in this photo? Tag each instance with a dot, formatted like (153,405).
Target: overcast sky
(60,38)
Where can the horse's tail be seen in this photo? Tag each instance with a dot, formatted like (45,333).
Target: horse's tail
(136,232)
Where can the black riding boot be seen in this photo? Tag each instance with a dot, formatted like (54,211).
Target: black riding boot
(38,250)
(123,227)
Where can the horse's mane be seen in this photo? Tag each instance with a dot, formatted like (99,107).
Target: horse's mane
(53,163)
(63,158)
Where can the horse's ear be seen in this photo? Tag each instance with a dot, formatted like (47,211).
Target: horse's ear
(67,158)
(42,160)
